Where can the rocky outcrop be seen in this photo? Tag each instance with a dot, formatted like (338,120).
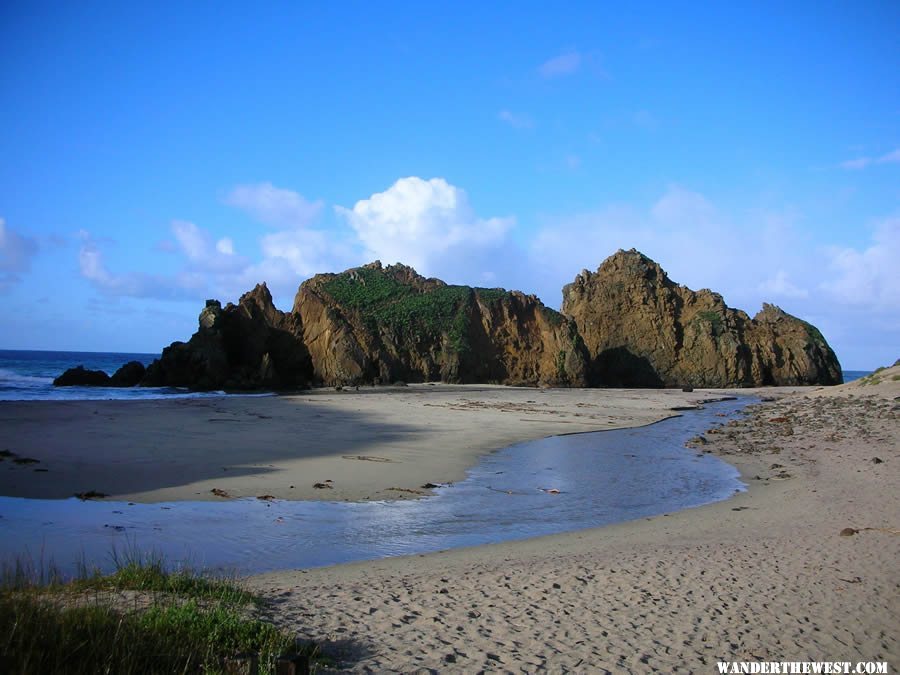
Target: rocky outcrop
(251,345)
(627,324)
(376,323)
(642,329)
(82,377)
(129,375)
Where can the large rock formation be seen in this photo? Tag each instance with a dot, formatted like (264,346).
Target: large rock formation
(642,329)
(625,325)
(251,345)
(389,323)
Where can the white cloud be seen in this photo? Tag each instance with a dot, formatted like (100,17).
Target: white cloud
(559,66)
(892,157)
(16,253)
(515,120)
(225,246)
(204,254)
(307,252)
(780,286)
(426,224)
(274,206)
(868,278)
(679,207)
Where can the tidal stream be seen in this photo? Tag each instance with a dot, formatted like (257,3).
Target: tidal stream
(546,486)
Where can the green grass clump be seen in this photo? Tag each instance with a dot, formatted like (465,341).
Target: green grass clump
(150,575)
(140,619)
(714,319)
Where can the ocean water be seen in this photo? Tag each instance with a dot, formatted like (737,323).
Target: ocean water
(546,486)
(28,376)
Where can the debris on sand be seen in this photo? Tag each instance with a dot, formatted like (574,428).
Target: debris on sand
(90,494)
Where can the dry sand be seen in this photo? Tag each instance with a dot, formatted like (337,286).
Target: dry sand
(371,443)
(767,575)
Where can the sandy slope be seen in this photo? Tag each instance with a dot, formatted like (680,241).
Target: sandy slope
(764,576)
(365,442)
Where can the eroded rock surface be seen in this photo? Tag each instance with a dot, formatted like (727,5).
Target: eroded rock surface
(627,324)
(643,329)
(376,323)
(250,345)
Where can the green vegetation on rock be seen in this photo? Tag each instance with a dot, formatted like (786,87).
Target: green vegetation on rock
(383,302)
(714,319)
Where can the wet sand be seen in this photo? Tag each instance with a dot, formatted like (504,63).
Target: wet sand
(803,566)
(371,443)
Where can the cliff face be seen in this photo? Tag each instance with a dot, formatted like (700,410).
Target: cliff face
(250,345)
(389,323)
(642,329)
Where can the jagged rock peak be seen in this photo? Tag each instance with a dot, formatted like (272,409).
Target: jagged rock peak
(642,329)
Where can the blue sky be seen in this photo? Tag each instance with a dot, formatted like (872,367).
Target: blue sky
(159,154)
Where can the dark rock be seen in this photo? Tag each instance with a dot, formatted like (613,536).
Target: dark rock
(81,377)
(848,532)
(128,375)
(877,460)
(251,345)
(90,494)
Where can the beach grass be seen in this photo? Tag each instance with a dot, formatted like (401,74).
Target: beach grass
(142,618)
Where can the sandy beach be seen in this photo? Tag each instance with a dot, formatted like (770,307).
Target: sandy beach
(370,443)
(801,567)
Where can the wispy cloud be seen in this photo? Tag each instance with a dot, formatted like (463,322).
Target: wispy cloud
(274,206)
(203,253)
(566,63)
(780,286)
(133,284)
(892,157)
(868,277)
(16,253)
(515,120)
